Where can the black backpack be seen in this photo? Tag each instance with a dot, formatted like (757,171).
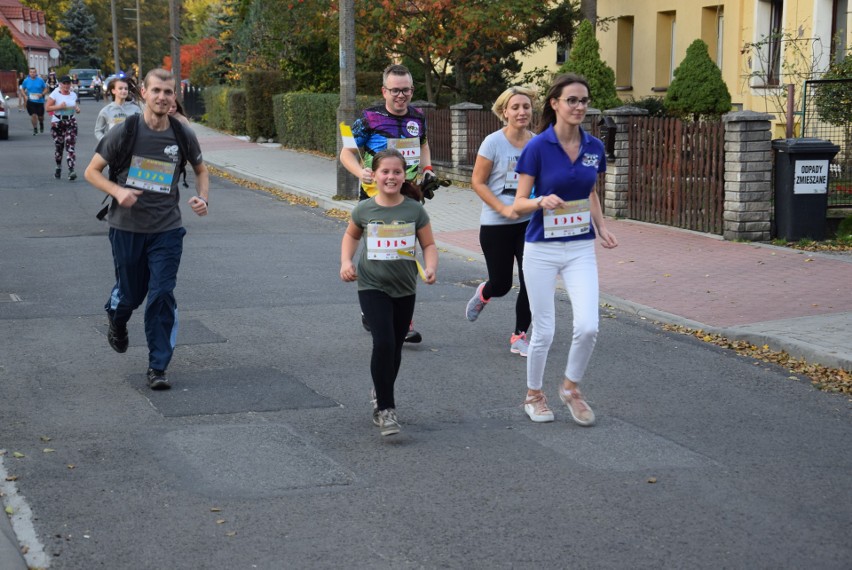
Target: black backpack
(125,152)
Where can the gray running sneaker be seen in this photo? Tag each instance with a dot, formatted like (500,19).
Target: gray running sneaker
(518,344)
(476,304)
(388,422)
(375,404)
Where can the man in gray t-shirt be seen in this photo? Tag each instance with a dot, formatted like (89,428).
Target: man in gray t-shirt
(145,232)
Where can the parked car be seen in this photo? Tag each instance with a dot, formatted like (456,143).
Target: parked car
(85,77)
(4,116)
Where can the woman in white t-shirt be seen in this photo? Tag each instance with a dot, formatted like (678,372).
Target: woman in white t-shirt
(62,104)
(501,232)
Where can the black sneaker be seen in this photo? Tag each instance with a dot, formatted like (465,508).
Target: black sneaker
(72,175)
(35,132)
(41,128)
(117,336)
(364,323)
(157,379)
(413,336)
(57,173)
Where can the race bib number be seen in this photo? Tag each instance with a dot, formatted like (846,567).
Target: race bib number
(384,240)
(35,97)
(572,220)
(116,121)
(150,174)
(510,185)
(409,148)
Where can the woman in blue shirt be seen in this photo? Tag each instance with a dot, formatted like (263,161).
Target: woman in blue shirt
(562,164)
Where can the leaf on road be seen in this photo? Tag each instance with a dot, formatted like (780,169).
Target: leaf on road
(220,521)
(652,480)
(45,438)
(12,478)
(70,466)
(215,510)
(48,450)
(10,511)
(231,533)
(18,455)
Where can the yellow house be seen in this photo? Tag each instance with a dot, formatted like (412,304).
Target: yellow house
(760,46)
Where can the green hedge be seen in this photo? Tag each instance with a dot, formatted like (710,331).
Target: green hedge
(308,121)
(260,87)
(217,115)
(237,110)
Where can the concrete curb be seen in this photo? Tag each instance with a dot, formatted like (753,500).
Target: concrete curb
(10,552)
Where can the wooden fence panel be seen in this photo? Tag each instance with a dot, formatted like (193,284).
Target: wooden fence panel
(676,173)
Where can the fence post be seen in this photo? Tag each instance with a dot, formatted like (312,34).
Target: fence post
(617,171)
(748,176)
(458,121)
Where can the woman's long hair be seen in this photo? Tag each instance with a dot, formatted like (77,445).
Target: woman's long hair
(548,115)
(407,189)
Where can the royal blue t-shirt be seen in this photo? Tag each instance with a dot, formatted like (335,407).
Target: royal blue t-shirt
(544,159)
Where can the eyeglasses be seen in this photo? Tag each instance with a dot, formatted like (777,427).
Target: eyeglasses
(575,101)
(397,92)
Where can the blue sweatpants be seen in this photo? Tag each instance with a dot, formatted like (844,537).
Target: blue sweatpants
(147,264)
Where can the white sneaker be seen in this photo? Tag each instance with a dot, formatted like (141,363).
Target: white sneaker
(580,410)
(537,409)
(388,422)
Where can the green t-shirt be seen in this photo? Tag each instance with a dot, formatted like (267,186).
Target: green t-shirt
(387,230)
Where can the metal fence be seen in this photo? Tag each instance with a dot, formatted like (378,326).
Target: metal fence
(193,101)
(826,114)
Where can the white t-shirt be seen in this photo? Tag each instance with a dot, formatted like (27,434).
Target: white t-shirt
(70,102)
(503,180)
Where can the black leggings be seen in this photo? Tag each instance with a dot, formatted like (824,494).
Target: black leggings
(388,318)
(502,245)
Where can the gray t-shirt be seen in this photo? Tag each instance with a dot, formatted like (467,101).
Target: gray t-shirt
(154,170)
(387,230)
(503,180)
(112,115)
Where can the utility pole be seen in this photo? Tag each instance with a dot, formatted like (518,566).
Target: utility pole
(346,189)
(174,42)
(116,68)
(138,40)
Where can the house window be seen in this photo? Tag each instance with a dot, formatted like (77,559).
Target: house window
(713,32)
(624,53)
(665,56)
(562,50)
(769,32)
(839,29)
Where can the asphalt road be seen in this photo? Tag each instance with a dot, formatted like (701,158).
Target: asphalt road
(263,454)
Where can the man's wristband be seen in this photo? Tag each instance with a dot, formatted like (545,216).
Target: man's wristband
(429,168)
(203,200)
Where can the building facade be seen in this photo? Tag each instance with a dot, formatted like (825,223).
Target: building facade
(760,46)
(30,34)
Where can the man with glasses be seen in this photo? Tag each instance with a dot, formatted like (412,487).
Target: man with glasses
(396,125)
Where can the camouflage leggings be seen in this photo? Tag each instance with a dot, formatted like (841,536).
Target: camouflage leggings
(64,135)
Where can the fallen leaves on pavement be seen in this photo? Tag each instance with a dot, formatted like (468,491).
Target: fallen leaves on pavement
(280,194)
(822,377)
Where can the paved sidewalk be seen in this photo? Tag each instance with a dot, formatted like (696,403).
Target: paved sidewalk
(793,301)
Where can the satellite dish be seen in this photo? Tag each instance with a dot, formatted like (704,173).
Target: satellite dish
(54,53)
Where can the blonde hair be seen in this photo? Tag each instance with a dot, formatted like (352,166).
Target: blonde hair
(503,100)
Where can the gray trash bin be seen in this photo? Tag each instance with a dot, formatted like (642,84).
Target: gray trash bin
(801,187)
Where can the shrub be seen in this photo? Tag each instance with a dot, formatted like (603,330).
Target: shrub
(308,121)
(844,230)
(585,59)
(237,110)
(697,88)
(216,107)
(260,86)
(655,106)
